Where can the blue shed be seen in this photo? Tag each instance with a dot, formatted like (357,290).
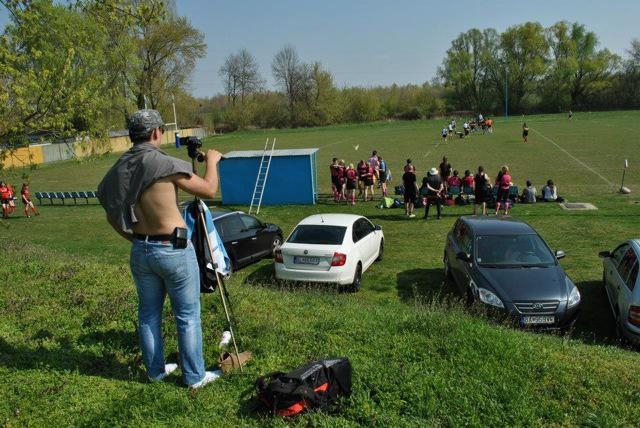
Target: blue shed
(291,180)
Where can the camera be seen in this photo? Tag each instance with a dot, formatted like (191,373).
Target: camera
(193,144)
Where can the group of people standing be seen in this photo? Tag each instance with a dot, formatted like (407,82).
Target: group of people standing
(345,179)
(473,125)
(440,183)
(8,200)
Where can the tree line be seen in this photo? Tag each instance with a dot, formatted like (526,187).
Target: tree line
(530,68)
(81,67)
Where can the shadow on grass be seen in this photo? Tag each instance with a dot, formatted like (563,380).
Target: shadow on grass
(424,285)
(595,324)
(265,276)
(94,354)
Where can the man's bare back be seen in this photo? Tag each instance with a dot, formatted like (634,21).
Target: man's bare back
(157,210)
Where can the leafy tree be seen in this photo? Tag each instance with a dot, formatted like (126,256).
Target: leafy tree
(522,59)
(466,69)
(578,69)
(52,77)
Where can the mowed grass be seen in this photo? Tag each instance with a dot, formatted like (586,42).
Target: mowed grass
(68,346)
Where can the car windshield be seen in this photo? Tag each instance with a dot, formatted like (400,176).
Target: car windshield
(513,251)
(317,234)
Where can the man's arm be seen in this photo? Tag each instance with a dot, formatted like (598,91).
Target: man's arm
(205,187)
(116,227)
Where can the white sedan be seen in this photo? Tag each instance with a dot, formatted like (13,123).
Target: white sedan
(334,248)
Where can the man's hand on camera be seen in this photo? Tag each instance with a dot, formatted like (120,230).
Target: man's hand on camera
(213,156)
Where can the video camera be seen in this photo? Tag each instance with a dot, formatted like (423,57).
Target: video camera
(193,144)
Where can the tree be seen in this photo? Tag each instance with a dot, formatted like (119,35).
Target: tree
(291,75)
(578,69)
(169,50)
(158,48)
(52,77)
(522,59)
(241,76)
(466,69)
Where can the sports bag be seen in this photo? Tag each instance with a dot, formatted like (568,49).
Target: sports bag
(314,385)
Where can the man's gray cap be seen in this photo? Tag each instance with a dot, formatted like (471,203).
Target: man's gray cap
(144,121)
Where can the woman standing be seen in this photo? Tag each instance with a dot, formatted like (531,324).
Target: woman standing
(504,187)
(368,182)
(335,180)
(342,171)
(383,175)
(352,179)
(362,172)
(482,190)
(525,132)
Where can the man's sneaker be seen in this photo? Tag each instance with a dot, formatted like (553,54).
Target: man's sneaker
(168,369)
(208,378)
(412,215)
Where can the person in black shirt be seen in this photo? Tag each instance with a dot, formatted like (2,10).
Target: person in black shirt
(445,170)
(410,192)
(432,186)
(482,190)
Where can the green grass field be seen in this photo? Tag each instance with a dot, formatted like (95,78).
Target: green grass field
(68,347)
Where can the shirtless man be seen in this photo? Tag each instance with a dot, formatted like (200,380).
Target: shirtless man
(139,194)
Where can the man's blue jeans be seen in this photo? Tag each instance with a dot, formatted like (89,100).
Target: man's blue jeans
(159,269)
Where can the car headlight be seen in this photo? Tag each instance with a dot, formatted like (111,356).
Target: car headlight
(574,296)
(489,298)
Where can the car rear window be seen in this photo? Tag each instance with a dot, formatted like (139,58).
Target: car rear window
(316,234)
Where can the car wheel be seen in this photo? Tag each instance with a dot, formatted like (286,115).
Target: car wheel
(381,251)
(447,268)
(277,241)
(357,278)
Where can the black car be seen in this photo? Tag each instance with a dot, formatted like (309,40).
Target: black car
(504,263)
(246,238)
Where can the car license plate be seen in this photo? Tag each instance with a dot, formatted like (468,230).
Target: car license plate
(306,260)
(538,319)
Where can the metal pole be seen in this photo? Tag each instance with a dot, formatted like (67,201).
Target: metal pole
(175,119)
(506,93)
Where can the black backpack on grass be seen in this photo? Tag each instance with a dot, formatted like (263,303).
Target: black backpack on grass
(315,385)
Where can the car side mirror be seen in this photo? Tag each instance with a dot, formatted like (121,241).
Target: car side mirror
(378,227)
(560,254)
(604,254)
(464,257)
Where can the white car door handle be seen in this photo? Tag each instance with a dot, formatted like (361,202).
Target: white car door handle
(254,238)
(234,242)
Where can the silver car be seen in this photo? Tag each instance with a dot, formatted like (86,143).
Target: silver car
(620,277)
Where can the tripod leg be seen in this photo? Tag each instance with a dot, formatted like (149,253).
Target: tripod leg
(220,285)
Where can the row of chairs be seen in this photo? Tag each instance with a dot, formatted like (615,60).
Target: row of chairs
(64,196)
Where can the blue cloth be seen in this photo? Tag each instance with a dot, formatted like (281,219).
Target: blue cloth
(159,269)
(223,261)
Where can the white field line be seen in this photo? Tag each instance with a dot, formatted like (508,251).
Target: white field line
(573,157)
(435,147)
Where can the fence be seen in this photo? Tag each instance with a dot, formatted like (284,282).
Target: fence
(52,152)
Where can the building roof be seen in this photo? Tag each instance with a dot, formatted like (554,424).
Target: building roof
(258,153)
(485,225)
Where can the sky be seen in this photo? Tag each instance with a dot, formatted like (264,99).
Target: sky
(368,43)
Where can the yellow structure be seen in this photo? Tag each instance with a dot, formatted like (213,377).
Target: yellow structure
(35,154)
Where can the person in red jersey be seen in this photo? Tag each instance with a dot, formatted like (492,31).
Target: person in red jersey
(26,200)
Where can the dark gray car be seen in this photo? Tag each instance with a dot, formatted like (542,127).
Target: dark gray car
(504,263)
